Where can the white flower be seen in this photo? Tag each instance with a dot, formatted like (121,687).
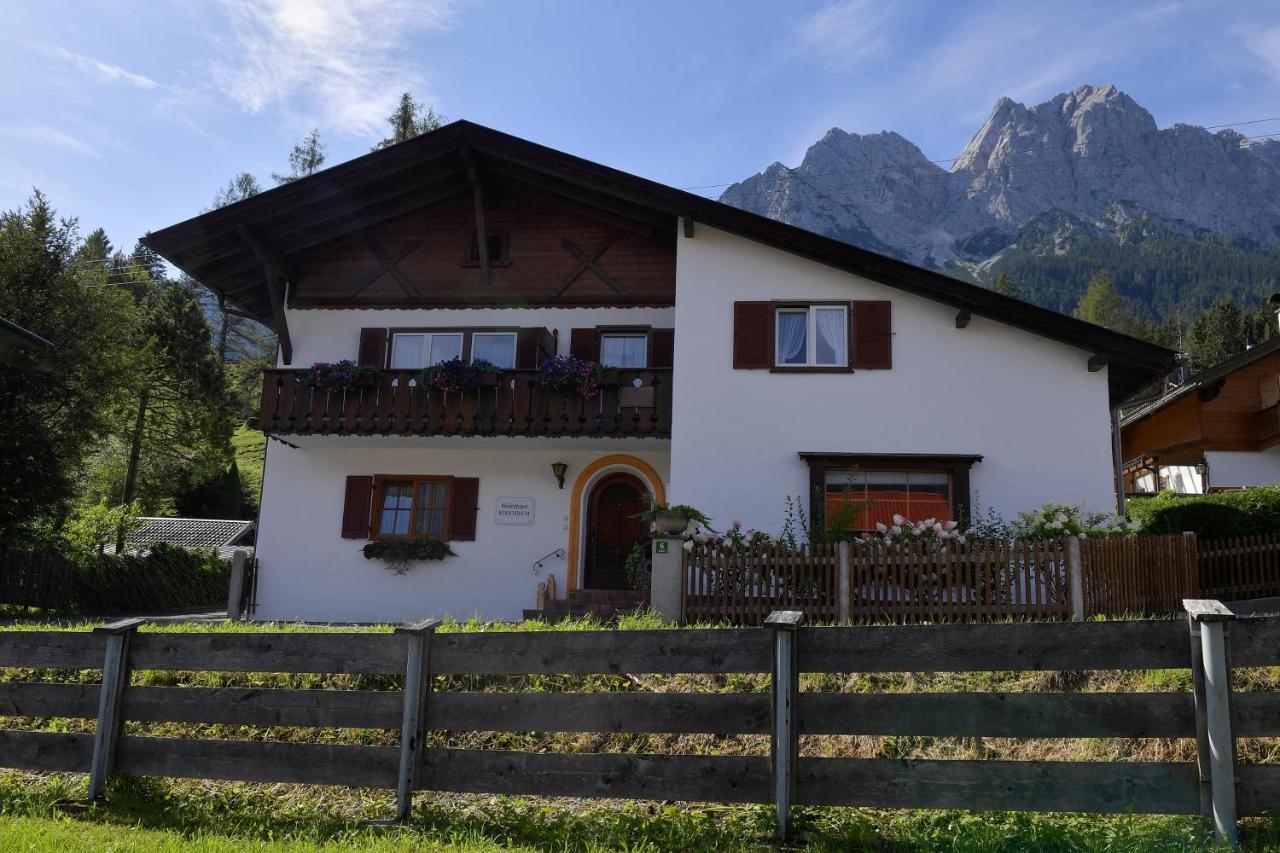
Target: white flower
(897,528)
(899,520)
(688,546)
(1061,518)
(950,525)
(960,538)
(881,527)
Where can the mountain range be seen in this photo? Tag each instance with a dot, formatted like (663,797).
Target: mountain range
(1050,195)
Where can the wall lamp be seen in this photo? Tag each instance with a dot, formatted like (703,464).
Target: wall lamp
(559,469)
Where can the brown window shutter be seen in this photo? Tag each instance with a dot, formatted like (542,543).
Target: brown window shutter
(584,343)
(356,506)
(872,347)
(464,498)
(752,335)
(373,347)
(530,348)
(662,344)
(546,346)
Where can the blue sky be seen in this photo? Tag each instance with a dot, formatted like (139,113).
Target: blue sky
(130,114)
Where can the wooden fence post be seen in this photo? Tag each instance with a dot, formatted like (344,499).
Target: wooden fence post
(417,684)
(784,737)
(1192,550)
(1213,712)
(235,590)
(115,676)
(843,581)
(1075,578)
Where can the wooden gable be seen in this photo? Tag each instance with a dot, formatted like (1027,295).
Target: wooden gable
(551,257)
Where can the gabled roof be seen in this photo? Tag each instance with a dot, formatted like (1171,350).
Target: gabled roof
(226,248)
(13,335)
(1204,379)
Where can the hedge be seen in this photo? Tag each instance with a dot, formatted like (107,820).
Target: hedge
(1216,516)
(168,578)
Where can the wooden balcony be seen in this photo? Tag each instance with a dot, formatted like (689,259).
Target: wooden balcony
(1269,425)
(630,403)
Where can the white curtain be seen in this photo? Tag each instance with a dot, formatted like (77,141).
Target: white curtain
(791,338)
(831,337)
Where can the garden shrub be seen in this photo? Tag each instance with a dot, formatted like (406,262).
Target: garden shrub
(167,578)
(1216,516)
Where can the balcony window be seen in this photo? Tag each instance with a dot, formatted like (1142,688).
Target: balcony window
(495,347)
(627,351)
(420,349)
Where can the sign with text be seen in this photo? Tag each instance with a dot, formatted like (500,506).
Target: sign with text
(514,511)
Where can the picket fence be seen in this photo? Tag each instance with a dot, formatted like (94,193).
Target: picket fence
(1241,567)
(36,578)
(943,582)
(431,700)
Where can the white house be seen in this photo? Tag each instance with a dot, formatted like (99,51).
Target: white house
(741,361)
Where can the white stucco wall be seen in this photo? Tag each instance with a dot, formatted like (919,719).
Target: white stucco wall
(1028,405)
(308,571)
(320,334)
(1228,469)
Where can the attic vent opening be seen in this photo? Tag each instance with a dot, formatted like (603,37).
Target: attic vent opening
(497,243)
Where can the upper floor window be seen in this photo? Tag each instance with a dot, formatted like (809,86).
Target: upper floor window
(624,350)
(413,350)
(410,351)
(498,348)
(497,245)
(816,336)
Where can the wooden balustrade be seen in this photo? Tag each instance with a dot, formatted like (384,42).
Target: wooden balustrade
(514,402)
(1269,423)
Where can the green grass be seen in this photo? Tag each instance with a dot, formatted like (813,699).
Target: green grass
(165,815)
(250,447)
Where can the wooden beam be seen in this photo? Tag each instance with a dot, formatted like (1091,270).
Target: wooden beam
(562,202)
(688,225)
(1097,362)
(962,318)
(390,266)
(277,269)
(477,196)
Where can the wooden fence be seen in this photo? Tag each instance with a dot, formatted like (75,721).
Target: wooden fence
(1239,568)
(35,579)
(786,776)
(744,587)
(944,582)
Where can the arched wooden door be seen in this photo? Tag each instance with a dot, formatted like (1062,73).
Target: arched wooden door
(612,530)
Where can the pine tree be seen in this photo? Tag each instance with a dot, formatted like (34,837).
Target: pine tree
(409,121)
(1224,331)
(239,188)
(1103,306)
(305,159)
(1006,286)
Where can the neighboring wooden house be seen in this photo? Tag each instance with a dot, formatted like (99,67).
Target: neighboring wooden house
(1218,430)
(203,534)
(744,361)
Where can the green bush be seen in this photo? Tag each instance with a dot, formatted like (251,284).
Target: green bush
(166,579)
(1217,516)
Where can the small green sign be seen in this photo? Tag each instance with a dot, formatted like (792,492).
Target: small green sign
(662,546)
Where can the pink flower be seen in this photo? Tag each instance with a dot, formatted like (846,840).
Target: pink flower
(737,525)
(899,520)
(950,525)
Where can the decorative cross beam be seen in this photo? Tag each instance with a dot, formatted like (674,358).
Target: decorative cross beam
(477,196)
(588,262)
(390,266)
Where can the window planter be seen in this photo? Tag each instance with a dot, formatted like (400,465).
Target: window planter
(400,554)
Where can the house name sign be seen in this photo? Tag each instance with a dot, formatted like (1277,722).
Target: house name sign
(514,511)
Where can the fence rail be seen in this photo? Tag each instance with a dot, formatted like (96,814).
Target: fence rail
(429,702)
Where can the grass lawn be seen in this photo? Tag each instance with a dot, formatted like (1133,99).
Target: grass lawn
(250,447)
(163,815)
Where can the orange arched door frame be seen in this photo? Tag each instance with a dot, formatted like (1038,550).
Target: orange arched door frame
(637,466)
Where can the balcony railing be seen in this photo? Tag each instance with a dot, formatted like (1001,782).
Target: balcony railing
(514,402)
(1269,423)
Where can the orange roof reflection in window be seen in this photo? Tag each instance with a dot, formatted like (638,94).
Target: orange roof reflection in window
(884,505)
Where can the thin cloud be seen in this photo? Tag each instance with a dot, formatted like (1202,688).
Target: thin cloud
(1265,45)
(844,33)
(105,70)
(339,57)
(45,135)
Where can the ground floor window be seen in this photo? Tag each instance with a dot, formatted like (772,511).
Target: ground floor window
(868,498)
(412,507)
(859,490)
